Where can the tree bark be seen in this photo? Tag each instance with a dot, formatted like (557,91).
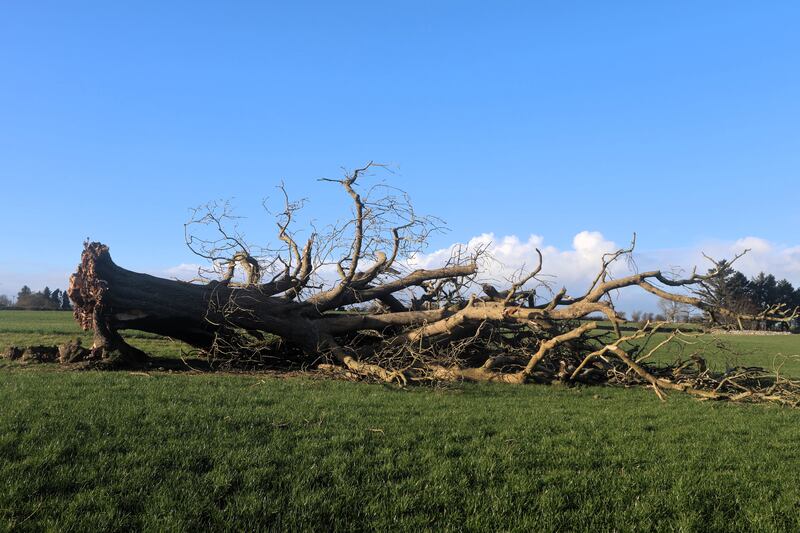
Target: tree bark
(109,298)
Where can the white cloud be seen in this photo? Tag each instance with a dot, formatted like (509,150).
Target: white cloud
(781,260)
(183,271)
(757,245)
(507,256)
(577,266)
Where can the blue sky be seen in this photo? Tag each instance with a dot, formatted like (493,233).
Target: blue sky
(677,120)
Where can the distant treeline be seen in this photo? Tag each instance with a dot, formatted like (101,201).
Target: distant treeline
(734,291)
(44,299)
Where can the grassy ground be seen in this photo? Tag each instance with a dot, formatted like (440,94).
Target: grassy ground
(783,351)
(772,352)
(120,451)
(91,451)
(57,327)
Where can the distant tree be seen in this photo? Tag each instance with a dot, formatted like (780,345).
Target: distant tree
(5,301)
(636,316)
(733,291)
(764,290)
(730,290)
(784,293)
(27,299)
(738,288)
(674,311)
(55,299)
(65,303)
(24,292)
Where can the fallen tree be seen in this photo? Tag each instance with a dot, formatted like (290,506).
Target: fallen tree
(365,313)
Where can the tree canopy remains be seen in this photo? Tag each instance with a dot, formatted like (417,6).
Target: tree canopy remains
(345,300)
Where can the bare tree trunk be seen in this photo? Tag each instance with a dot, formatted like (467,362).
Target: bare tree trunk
(108,298)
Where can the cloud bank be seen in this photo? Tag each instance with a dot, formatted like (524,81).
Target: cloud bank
(573,267)
(576,267)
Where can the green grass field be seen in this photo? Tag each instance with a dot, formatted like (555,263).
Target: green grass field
(56,327)
(186,451)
